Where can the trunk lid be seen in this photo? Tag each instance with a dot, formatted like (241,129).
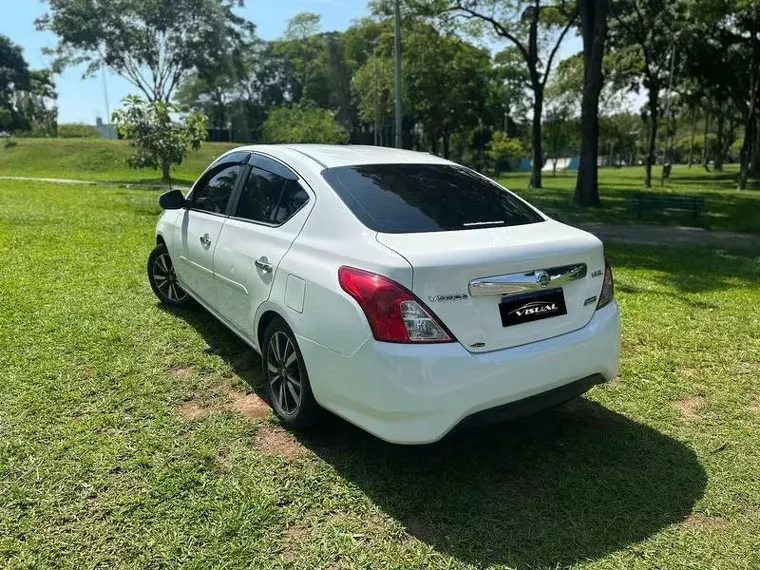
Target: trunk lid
(463,276)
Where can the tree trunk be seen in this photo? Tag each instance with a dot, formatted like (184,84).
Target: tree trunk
(745,154)
(754,166)
(693,135)
(446,144)
(705,154)
(594,30)
(166,171)
(719,140)
(653,104)
(434,144)
(538,155)
(750,127)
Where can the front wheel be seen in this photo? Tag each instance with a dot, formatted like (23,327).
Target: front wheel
(163,279)
(287,382)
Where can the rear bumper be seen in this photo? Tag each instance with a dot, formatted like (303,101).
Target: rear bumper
(416,394)
(532,404)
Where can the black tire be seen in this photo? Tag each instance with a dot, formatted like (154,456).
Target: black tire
(284,372)
(163,280)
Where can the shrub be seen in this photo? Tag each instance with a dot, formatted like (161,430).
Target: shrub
(302,124)
(157,140)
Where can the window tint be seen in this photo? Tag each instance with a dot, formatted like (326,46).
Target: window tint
(259,196)
(213,194)
(269,198)
(411,198)
(293,197)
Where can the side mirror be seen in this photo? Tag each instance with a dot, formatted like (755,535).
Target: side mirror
(172,200)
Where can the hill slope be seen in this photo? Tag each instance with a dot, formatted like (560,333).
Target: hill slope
(94,159)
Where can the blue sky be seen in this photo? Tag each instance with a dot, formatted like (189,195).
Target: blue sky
(83,100)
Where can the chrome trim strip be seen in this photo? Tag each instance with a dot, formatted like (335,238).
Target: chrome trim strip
(516,283)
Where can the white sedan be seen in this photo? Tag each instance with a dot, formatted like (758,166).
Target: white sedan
(401,291)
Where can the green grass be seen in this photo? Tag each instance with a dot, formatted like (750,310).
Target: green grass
(726,208)
(95,159)
(128,438)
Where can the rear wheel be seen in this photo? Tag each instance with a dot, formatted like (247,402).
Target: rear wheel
(287,382)
(163,279)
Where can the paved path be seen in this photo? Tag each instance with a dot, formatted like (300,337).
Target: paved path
(674,236)
(95,183)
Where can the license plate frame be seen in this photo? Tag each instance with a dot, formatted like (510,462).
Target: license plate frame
(531,307)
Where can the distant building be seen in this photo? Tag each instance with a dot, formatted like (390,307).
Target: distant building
(106,131)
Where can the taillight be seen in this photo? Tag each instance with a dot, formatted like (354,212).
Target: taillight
(394,313)
(608,288)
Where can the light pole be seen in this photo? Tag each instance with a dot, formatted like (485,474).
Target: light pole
(397,54)
(376,94)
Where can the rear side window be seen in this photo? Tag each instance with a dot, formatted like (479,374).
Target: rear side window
(269,198)
(417,198)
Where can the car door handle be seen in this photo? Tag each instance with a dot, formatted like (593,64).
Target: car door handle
(205,240)
(263,264)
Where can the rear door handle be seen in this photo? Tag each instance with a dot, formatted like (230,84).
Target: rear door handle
(263,264)
(205,240)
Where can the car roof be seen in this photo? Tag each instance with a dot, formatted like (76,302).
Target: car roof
(330,156)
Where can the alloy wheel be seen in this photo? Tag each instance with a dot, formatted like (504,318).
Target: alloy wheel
(284,374)
(166,280)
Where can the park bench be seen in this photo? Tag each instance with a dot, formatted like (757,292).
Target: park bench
(661,202)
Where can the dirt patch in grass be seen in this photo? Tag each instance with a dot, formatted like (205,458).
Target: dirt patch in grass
(690,407)
(250,405)
(703,523)
(195,409)
(292,537)
(277,441)
(181,372)
(755,406)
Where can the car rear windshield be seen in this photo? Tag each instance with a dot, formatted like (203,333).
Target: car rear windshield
(416,198)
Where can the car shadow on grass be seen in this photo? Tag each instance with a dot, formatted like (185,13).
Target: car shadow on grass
(567,485)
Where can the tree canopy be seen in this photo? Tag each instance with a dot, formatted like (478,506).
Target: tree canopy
(153,44)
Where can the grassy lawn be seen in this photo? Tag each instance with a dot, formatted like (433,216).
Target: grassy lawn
(726,208)
(95,159)
(132,436)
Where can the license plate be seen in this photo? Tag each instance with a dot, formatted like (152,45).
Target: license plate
(532,307)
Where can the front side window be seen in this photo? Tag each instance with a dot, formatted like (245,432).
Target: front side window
(213,194)
(415,198)
(269,198)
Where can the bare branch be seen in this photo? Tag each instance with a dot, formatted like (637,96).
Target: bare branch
(548,68)
(498,28)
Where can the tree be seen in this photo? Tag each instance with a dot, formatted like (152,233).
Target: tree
(535,28)
(153,44)
(644,35)
(36,104)
(156,140)
(430,59)
(502,148)
(302,124)
(14,72)
(593,16)
(722,57)
(619,136)
(300,48)
(434,60)
(560,133)
(26,96)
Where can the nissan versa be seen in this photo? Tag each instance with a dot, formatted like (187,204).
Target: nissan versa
(403,292)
